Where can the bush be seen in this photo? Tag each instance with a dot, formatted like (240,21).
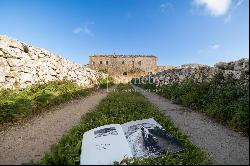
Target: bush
(108,81)
(121,106)
(225,99)
(17,105)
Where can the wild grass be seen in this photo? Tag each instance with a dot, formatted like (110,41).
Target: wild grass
(223,98)
(17,105)
(106,82)
(120,106)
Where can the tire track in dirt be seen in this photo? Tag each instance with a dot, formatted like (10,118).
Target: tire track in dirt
(222,145)
(29,141)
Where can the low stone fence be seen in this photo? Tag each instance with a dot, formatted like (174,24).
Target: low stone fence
(199,73)
(22,65)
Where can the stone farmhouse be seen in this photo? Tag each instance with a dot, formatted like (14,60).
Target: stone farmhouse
(124,67)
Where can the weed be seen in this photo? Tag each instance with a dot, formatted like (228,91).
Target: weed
(17,105)
(121,106)
(225,99)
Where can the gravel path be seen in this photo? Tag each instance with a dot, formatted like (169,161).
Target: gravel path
(31,140)
(223,146)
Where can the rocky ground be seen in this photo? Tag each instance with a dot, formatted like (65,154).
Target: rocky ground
(223,146)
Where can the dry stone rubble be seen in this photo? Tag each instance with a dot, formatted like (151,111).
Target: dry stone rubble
(198,73)
(22,65)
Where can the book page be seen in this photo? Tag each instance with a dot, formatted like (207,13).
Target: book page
(147,138)
(104,145)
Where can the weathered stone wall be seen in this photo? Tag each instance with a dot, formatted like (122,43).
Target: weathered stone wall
(240,65)
(118,65)
(163,68)
(199,73)
(125,67)
(22,65)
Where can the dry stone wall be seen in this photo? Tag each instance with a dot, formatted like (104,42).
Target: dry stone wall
(237,69)
(22,65)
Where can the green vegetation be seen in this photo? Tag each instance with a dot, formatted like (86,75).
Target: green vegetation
(17,105)
(108,81)
(122,105)
(103,70)
(225,99)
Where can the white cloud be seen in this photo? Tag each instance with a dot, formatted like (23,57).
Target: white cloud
(230,13)
(214,7)
(84,29)
(162,5)
(77,30)
(166,7)
(238,4)
(228,18)
(87,31)
(215,46)
(209,50)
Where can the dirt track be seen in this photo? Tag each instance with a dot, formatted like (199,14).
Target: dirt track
(223,146)
(31,140)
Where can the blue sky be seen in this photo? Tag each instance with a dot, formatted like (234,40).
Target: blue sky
(177,31)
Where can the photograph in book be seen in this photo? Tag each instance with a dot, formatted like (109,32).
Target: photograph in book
(104,145)
(115,142)
(147,138)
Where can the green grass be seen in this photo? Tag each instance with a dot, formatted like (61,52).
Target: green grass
(224,99)
(109,81)
(18,105)
(121,106)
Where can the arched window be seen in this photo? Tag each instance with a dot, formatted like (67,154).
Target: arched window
(107,62)
(125,73)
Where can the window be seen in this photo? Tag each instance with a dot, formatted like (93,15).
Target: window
(93,63)
(123,62)
(125,73)
(107,62)
(139,63)
(100,62)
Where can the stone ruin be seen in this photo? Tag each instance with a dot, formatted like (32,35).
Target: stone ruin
(22,65)
(124,67)
(198,73)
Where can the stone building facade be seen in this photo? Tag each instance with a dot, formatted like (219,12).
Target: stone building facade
(124,65)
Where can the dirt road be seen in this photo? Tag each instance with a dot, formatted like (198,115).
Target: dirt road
(31,140)
(222,145)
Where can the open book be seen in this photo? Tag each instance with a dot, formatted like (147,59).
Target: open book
(142,138)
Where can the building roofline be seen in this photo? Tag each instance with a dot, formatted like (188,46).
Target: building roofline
(106,55)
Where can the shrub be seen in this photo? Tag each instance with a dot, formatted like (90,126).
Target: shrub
(225,99)
(104,82)
(17,105)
